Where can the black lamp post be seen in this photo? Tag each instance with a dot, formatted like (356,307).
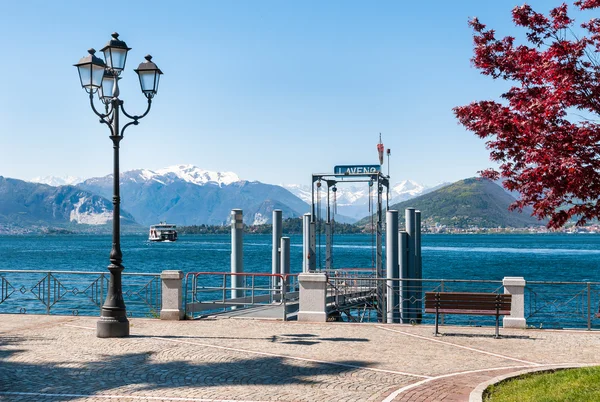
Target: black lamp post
(102,77)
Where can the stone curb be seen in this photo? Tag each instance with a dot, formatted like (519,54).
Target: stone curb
(477,394)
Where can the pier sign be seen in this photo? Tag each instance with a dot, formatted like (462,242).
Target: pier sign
(356,169)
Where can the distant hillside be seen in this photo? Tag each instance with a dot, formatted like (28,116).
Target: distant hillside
(35,206)
(467,203)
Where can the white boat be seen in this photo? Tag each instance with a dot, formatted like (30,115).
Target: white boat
(163,232)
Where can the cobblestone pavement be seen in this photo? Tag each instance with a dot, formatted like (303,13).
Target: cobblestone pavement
(54,358)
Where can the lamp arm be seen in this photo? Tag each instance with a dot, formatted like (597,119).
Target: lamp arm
(109,124)
(136,118)
(135,123)
(101,115)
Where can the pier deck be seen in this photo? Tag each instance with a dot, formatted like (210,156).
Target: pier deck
(59,358)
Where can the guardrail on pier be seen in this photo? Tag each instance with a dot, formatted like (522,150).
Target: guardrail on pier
(75,293)
(208,293)
(352,296)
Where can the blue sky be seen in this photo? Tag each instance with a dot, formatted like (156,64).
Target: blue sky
(271,90)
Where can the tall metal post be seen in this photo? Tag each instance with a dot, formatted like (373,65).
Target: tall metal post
(285,261)
(328,239)
(113,316)
(403,274)
(276,251)
(391,259)
(411,263)
(307,251)
(237,253)
(381,316)
(418,268)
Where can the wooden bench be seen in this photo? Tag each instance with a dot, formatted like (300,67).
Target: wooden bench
(467,303)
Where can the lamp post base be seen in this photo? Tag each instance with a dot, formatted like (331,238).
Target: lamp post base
(112,327)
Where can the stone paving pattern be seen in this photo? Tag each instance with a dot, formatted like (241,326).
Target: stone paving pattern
(59,358)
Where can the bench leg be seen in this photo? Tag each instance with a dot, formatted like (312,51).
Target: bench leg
(436,323)
(497,326)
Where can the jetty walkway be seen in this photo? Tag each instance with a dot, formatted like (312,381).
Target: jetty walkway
(59,358)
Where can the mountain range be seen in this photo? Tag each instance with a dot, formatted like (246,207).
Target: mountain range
(187,195)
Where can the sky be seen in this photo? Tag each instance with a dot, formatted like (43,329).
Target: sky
(271,90)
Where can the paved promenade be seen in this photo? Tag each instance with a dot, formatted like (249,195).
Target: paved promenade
(54,358)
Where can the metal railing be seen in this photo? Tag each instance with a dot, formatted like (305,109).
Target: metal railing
(75,293)
(209,293)
(352,297)
(562,304)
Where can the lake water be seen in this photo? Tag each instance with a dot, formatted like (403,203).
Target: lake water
(551,257)
(536,257)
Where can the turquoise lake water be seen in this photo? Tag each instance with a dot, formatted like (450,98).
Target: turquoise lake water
(552,257)
(537,257)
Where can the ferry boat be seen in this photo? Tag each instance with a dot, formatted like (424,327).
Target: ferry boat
(163,232)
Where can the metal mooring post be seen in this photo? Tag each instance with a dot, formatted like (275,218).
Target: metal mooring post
(237,252)
(285,258)
(411,263)
(391,259)
(308,250)
(418,268)
(285,270)
(403,273)
(276,252)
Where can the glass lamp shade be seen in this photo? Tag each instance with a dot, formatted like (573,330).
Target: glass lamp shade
(115,53)
(91,71)
(149,75)
(109,89)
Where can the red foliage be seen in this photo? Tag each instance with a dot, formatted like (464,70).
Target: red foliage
(543,133)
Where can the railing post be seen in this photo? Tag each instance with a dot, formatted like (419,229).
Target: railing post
(48,302)
(313,297)
(589,308)
(171,287)
(515,286)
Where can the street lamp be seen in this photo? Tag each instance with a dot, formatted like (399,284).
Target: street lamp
(102,77)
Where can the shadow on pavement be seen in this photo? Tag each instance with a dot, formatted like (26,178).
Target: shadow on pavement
(72,379)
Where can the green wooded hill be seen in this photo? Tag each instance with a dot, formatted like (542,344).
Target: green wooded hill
(467,203)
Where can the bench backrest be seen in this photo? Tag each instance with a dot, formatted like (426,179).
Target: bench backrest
(468,301)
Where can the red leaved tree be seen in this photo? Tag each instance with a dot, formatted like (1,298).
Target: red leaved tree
(544,133)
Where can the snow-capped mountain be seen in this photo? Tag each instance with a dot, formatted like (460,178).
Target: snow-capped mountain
(188,195)
(353,200)
(406,190)
(56,181)
(189,174)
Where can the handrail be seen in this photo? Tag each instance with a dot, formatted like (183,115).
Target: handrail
(239,273)
(278,288)
(45,271)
